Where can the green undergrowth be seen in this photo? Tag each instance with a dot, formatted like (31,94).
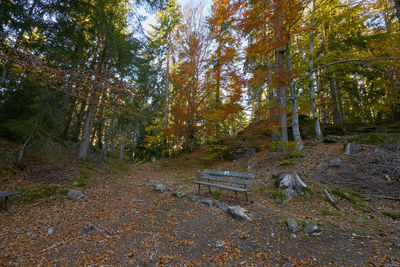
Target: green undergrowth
(327,212)
(83,179)
(376,138)
(392,214)
(117,166)
(288,161)
(353,197)
(34,193)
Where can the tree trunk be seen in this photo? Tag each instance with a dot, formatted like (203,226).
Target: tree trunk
(79,119)
(271,97)
(295,110)
(339,104)
(68,118)
(280,70)
(166,108)
(218,92)
(122,147)
(107,138)
(397,5)
(313,83)
(279,38)
(87,128)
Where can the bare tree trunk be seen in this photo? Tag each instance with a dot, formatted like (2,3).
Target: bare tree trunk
(87,128)
(271,97)
(313,83)
(166,108)
(68,117)
(107,138)
(280,70)
(295,109)
(339,103)
(79,119)
(122,147)
(397,5)
(218,92)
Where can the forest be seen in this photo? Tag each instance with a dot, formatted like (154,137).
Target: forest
(85,72)
(104,95)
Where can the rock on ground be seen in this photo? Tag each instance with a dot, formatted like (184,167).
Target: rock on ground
(160,188)
(238,212)
(292,225)
(312,228)
(332,139)
(75,194)
(351,148)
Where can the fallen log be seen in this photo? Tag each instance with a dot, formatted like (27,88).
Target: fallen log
(331,199)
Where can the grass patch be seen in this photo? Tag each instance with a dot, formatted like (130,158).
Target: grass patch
(278,195)
(35,193)
(216,194)
(288,161)
(353,197)
(327,212)
(117,166)
(392,214)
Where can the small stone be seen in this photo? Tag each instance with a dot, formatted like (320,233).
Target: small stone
(153,159)
(75,194)
(50,230)
(160,188)
(207,202)
(312,228)
(292,225)
(90,228)
(220,244)
(251,166)
(287,264)
(238,212)
(194,198)
(221,205)
(179,194)
(332,139)
(335,162)
(75,183)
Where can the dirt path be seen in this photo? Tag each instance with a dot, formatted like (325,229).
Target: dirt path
(133,225)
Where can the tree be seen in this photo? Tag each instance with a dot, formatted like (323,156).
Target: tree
(168,19)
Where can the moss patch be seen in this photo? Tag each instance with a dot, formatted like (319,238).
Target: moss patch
(353,197)
(35,193)
(392,214)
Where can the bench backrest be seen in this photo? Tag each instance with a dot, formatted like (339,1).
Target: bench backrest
(227,177)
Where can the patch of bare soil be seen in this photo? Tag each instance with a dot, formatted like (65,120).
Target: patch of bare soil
(122,221)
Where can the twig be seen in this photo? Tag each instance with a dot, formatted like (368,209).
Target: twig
(331,199)
(384,197)
(59,243)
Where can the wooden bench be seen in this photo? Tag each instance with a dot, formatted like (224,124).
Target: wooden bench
(229,180)
(7,194)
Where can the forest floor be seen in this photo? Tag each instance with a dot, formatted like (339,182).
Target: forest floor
(123,221)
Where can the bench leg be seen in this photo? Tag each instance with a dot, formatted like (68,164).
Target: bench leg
(6,203)
(198,192)
(236,198)
(209,190)
(247,199)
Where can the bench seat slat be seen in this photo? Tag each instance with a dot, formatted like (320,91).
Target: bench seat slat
(8,194)
(229,173)
(223,186)
(225,179)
